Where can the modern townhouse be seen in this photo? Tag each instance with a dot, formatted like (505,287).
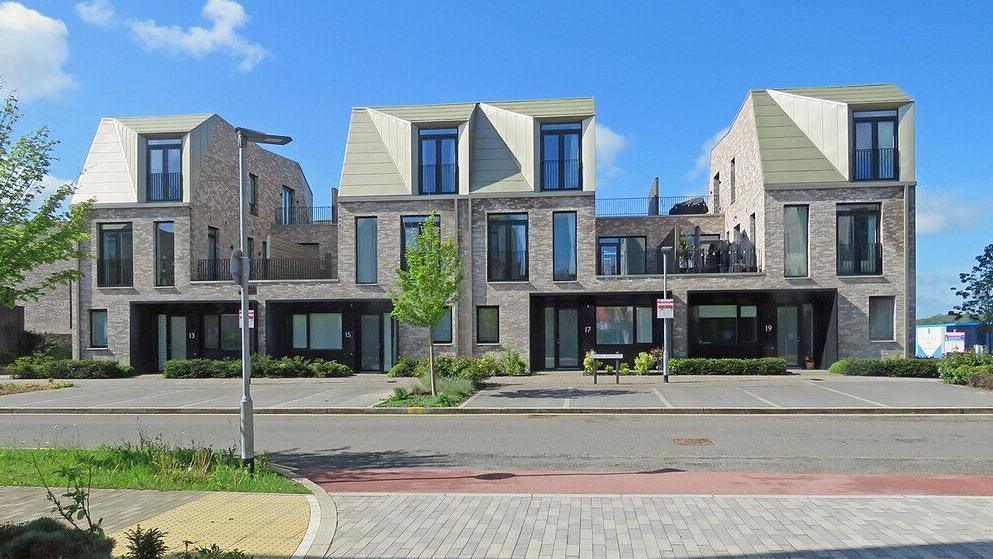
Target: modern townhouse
(802,248)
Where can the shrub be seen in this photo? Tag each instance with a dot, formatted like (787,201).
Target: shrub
(329,369)
(41,366)
(46,537)
(643,363)
(889,367)
(287,367)
(262,366)
(445,385)
(728,366)
(512,364)
(214,552)
(406,366)
(145,544)
(958,368)
(202,368)
(590,364)
(981,379)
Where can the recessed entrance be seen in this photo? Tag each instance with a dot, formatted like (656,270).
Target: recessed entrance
(562,337)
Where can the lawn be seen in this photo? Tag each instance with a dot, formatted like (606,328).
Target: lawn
(422,401)
(146,465)
(7,388)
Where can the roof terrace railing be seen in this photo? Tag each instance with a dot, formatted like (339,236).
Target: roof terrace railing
(656,205)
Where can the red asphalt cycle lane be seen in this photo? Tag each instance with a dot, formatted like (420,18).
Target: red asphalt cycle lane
(644,483)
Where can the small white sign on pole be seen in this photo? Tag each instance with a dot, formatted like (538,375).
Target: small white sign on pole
(251,318)
(664,308)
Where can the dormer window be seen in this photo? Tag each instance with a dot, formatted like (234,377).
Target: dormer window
(164,182)
(439,170)
(561,165)
(875,150)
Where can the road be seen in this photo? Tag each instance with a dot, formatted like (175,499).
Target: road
(809,444)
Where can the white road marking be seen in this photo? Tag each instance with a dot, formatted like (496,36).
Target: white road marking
(466,403)
(159,395)
(661,397)
(757,397)
(566,402)
(866,400)
(284,404)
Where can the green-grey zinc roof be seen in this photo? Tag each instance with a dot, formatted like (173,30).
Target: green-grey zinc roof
(460,112)
(854,94)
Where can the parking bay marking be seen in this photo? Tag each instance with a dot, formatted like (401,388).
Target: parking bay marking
(661,397)
(866,400)
(757,397)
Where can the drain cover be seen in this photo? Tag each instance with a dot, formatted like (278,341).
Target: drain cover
(692,442)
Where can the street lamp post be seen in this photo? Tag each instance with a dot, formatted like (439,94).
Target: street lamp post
(665,321)
(241,261)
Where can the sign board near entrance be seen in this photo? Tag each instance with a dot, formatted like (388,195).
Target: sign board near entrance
(665,308)
(251,318)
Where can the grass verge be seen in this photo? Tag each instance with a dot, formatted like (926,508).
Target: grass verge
(146,465)
(8,388)
(409,400)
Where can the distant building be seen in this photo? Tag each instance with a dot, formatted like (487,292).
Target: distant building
(935,340)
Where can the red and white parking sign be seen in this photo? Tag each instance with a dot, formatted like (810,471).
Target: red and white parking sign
(664,308)
(251,318)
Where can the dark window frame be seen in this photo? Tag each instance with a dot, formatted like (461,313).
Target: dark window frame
(156,255)
(310,329)
(437,134)
(558,129)
(874,156)
(253,194)
(507,275)
(164,145)
(403,233)
(126,276)
(106,325)
(892,318)
(375,252)
(806,247)
(287,205)
(621,239)
(733,181)
(848,209)
(479,339)
(451,324)
(575,247)
(216,343)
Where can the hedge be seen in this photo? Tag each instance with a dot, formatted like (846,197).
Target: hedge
(981,379)
(728,366)
(960,368)
(890,367)
(475,370)
(262,366)
(38,366)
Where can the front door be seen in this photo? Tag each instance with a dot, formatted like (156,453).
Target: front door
(561,337)
(171,338)
(788,334)
(370,342)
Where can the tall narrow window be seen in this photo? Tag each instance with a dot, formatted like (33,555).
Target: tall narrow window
(875,156)
(488,325)
(410,231)
(860,251)
(751,228)
(643,324)
(507,251)
(165,253)
(732,181)
(564,246)
(881,319)
(366,267)
(253,188)
(287,205)
(621,256)
(164,180)
(561,163)
(795,241)
(717,190)
(98,328)
(441,333)
(211,267)
(114,265)
(439,170)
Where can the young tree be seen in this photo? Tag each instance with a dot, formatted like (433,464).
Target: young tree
(977,289)
(431,283)
(33,234)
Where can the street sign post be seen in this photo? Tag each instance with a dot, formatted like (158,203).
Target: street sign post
(616,357)
(664,308)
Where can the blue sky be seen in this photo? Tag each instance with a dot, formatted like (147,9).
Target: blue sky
(667,77)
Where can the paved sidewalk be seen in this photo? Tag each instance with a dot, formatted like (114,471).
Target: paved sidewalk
(562,526)
(261,524)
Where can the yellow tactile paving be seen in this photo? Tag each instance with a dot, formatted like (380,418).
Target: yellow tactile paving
(260,524)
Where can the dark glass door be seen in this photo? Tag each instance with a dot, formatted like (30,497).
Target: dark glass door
(561,337)
(370,342)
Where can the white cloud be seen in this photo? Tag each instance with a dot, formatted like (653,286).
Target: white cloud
(225,17)
(97,12)
(934,290)
(702,162)
(608,144)
(34,49)
(49,184)
(939,209)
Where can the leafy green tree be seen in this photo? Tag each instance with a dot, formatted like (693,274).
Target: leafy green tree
(33,234)
(430,285)
(977,289)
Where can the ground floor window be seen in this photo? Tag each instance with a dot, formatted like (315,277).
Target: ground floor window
(614,325)
(221,331)
(881,319)
(488,325)
(441,333)
(98,328)
(316,331)
(725,324)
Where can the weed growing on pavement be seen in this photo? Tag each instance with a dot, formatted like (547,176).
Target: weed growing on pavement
(145,544)
(7,388)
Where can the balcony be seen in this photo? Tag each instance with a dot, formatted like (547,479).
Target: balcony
(115,272)
(305,215)
(561,174)
(275,269)
(654,205)
(715,257)
(165,187)
(439,178)
(876,164)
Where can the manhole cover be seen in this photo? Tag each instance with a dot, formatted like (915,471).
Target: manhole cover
(541,415)
(692,442)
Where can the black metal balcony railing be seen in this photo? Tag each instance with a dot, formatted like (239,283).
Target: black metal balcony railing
(305,215)
(651,205)
(439,178)
(718,257)
(165,272)
(165,187)
(561,174)
(114,272)
(866,262)
(876,164)
(269,269)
